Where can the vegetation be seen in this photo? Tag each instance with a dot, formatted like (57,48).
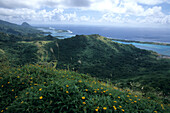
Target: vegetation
(38,89)
(112,64)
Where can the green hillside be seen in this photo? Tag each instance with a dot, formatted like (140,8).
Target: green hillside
(19,30)
(39,89)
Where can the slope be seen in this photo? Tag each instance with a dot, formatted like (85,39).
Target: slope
(39,89)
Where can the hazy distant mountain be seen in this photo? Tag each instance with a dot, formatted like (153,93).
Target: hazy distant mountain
(18,30)
(25,24)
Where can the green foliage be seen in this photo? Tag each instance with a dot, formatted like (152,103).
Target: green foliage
(39,89)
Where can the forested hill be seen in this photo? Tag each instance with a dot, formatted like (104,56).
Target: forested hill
(104,58)
(19,30)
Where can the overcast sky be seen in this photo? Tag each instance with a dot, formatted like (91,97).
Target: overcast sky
(105,12)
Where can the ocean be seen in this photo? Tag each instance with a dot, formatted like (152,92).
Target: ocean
(161,35)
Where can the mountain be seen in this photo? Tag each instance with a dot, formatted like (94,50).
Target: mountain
(19,30)
(25,24)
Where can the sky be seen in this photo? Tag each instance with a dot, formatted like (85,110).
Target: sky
(98,12)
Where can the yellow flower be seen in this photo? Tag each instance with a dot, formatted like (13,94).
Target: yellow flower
(155,112)
(136,96)
(123,110)
(130,99)
(67,92)
(18,77)
(120,106)
(101,88)
(80,81)
(12,89)
(83,97)
(96,109)
(127,95)
(0,77)
(31,78)
(135,101)
(86,89)
(6,108)
(84,102)
(95,91)
(110,94)
(16,96)
(104,91)
(132,102)
(162,106)
(27,93)
(67,85)
(40,89)
(139,99)
(104,108)
(2,86)
(118,97)
(22,82)
(114,107)
(2,110)
(22,102)
(40,97)
(115,101)
(148,97)
(8,82)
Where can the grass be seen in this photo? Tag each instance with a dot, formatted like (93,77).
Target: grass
(38,89)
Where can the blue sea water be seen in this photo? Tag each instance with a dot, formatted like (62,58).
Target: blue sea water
(136,34)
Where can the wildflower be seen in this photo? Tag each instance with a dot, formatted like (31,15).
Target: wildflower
(136,96)
(110,94)
(67,85)
(155,112)
(16,96)
(27,93)
(104,108)
(12,89)
(40,97)
(120,106)
(2,110)
(104,91)
(139,99)
(22,82)
(135,101)
(127,95)
(31,87)
(6,108)
(162,106)
(44,82)
(95,91)
(40,89)
(130,99)
(96,109)
(22,102)
(84,102)
(83,97)
(67,92)
(18,77)
(118,97)
(132,102)
(80,81)
(2,86)
(148,97)
(101,88)
(114,107)
(31,78)
(115,101)
(86,89)
(8,82)
(123,110)
(0,77)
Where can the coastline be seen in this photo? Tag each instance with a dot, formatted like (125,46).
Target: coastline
(131,41)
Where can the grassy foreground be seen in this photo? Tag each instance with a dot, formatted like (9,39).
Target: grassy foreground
(38,89)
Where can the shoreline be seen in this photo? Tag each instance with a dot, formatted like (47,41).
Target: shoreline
(141,42)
